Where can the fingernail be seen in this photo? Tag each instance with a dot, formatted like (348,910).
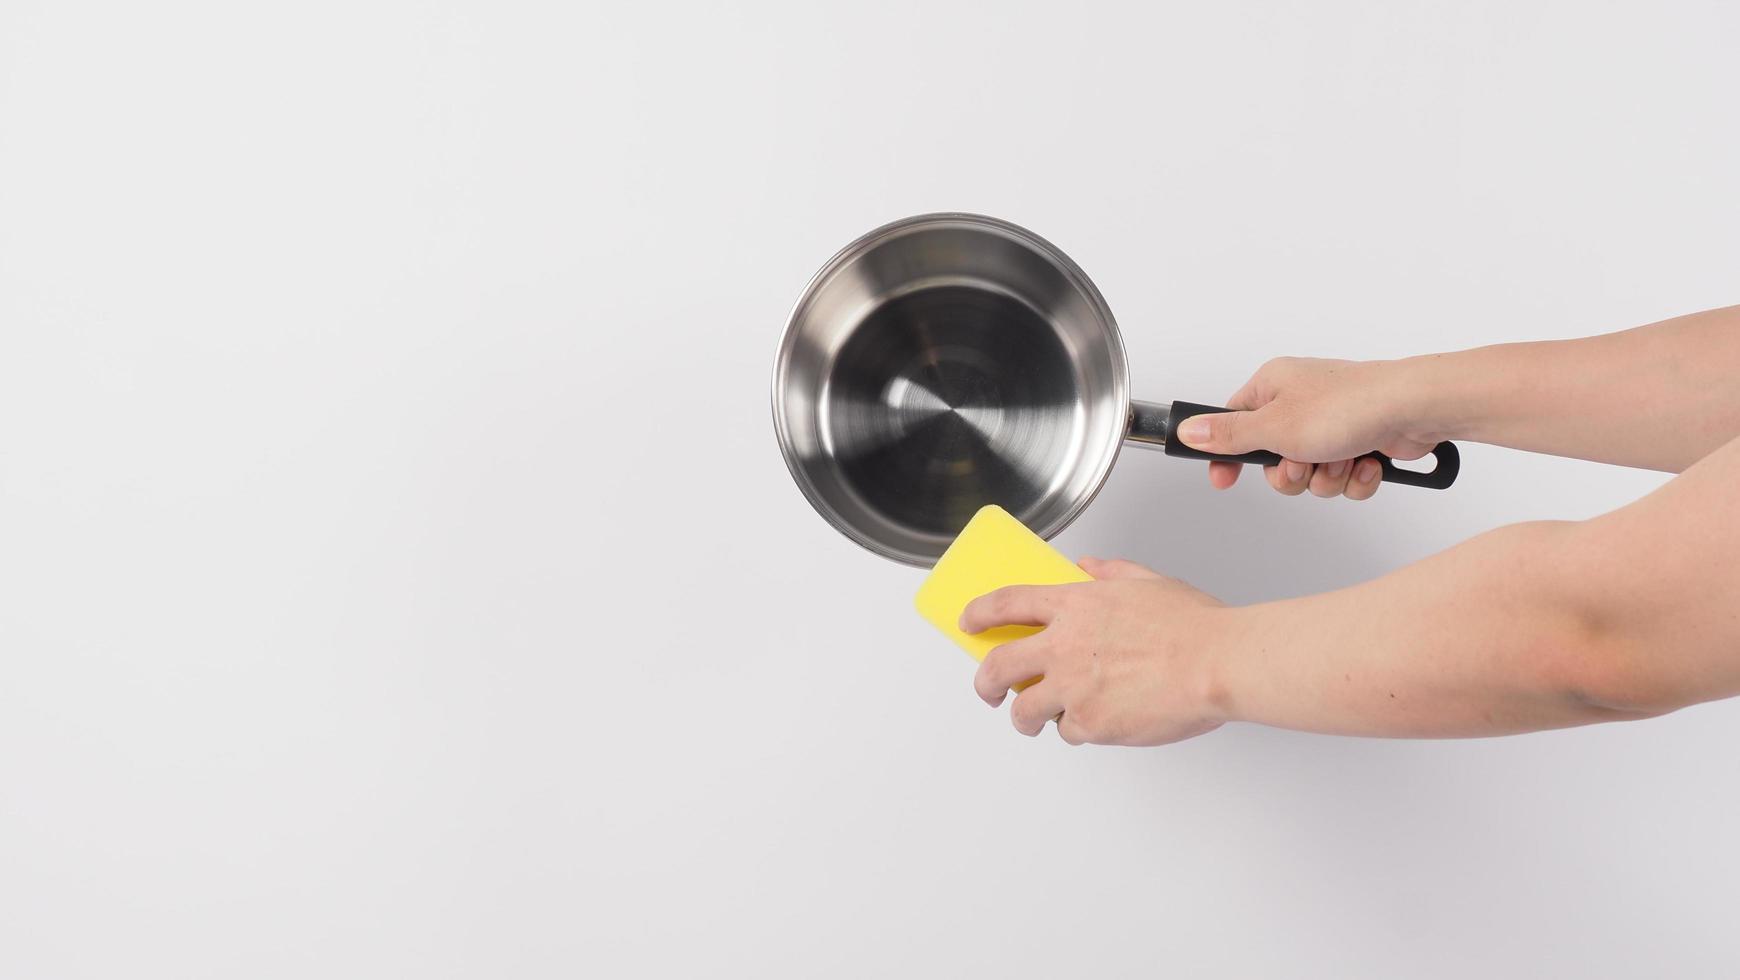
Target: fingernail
(1295,471)
(1368,471)
(1193,430)
(1337,468)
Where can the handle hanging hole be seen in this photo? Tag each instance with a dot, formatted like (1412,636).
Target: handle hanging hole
(1424,465)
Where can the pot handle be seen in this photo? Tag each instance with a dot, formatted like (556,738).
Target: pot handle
(1155,427)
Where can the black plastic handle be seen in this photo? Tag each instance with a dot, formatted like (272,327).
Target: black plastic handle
(1448,457)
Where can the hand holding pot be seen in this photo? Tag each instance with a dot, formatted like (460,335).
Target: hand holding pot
(1321,416)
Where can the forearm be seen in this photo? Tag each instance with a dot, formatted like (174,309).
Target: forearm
(1528,627)
(1470,642)
(1660,396)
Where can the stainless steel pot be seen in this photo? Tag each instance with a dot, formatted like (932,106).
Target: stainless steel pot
(948,361)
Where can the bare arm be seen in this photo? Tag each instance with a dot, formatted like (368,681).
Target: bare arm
(1532,626)
(1660,396)
(1528,627)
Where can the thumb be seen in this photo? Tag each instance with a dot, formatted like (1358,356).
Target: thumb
(1229,433)
(1116,568)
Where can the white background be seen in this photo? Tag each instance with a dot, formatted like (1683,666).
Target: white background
(398,576)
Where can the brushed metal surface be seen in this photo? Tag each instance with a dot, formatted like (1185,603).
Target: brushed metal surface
(1148,424)
(941,363)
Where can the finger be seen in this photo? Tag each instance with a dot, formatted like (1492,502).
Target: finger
(1012,605)
(1290,477)
(1364,479)
(1230,433)
(1330,480)
(1406,449)
(1222,475)
(1117,568)
(1008,666)
(1034,707)
(1070,732)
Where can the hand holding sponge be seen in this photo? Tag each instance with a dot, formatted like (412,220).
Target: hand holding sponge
(992,551)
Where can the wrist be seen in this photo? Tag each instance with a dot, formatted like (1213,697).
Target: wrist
(1427,397)
(1220,647)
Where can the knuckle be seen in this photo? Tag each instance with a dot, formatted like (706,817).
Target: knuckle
(995,665)
(992,608)
(984,685)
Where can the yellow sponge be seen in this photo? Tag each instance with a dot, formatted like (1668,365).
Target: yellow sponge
(992,551)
